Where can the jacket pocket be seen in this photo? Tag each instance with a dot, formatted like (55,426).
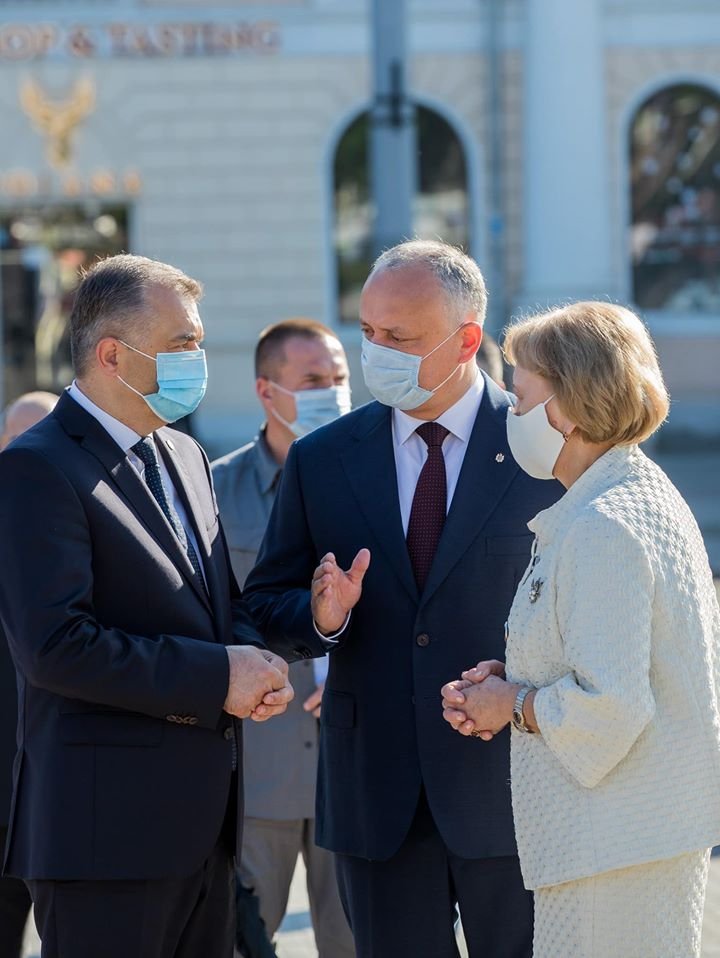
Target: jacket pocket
(338,709)
(88,728)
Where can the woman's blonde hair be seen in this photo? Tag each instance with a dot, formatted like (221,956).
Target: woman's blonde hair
(602,366)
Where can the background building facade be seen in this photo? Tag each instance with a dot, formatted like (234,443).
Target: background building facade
(573,148)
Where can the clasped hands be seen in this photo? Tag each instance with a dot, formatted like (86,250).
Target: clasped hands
(258,687)
(480,703)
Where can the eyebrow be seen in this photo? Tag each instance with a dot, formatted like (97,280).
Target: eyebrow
(187,338)
(392,330)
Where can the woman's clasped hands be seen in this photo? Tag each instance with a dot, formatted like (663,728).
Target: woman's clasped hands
(480,703)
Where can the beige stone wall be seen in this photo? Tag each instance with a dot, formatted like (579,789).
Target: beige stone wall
(232,156)
(460,82)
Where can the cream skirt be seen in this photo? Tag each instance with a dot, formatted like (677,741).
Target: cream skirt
(646,911)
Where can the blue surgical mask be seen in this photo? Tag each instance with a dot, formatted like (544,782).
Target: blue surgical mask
(392,376)
(182,380)
(315,407)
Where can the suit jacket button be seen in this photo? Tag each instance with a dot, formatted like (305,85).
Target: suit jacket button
(228,733)
(423,639)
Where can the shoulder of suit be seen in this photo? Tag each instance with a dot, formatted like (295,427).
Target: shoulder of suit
(500,398)
(41,438)
(351,424)
(235,461)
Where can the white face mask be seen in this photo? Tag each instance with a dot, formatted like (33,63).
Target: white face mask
(393,376)
(315,407)
(534,443)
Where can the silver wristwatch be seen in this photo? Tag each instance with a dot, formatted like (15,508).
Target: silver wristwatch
(518,719)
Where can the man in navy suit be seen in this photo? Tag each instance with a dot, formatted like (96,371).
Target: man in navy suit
(425,507)
(133,647)
(15,900)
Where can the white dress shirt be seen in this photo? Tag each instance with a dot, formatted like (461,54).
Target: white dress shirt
(126,438)
(411,451)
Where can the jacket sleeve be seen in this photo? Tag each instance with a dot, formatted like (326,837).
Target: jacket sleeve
(591,717)
(46,606)
(244,629)
(278,588)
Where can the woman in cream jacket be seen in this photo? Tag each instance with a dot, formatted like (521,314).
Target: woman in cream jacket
(612,676)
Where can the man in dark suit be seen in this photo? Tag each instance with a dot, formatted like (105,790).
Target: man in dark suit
(133,647)
(419,821)
(15,899)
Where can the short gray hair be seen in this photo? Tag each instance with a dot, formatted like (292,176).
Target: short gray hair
(110,301)
(458,274)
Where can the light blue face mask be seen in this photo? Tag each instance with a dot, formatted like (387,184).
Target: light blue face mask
(182,380)
(392,376)
(315,407)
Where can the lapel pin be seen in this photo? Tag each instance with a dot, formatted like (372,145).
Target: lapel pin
(535,587)
(500,457)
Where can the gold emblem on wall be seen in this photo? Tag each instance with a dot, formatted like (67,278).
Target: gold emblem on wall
(57,120)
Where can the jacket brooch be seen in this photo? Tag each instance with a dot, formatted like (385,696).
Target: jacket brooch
(535,587)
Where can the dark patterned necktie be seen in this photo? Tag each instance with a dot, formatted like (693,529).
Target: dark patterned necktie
(429,505)
(145,451)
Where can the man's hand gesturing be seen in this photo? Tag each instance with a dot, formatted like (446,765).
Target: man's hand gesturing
(334,592)
(258,686)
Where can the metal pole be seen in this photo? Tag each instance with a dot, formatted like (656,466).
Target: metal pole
(497,300)
(393,155)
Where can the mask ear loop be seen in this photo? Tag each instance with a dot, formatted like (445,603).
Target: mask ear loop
(151,358)
(276,414)
(568,432)
(435,348)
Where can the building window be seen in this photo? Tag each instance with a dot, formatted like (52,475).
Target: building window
(675,201)
(441,209)
(42,250)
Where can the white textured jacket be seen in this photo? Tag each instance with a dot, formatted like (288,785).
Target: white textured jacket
(616,623)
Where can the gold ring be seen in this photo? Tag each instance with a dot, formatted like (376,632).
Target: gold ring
(476,734)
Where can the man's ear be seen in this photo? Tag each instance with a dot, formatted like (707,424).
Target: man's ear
(471,338)
(263,389)
(106,354)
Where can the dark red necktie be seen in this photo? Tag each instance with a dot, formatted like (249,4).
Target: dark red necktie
(429,505)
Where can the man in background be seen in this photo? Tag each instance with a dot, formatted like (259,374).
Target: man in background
(15,899)
(302,383)
(27,410)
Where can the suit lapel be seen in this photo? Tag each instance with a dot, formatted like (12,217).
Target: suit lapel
(186,490)
(95,439)
(487,470)
(369,465)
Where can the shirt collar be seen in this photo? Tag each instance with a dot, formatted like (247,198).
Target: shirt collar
(265,465)
(459,419)
(123,435)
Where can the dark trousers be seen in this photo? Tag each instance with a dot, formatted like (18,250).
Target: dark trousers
(15,905)
(406,905)
(191,917)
